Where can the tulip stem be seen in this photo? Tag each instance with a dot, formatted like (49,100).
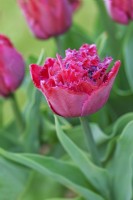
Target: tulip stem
(90,141)
(17,113)
(59,45)
(1,113)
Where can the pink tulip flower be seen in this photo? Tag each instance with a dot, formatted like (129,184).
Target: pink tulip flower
(48,18)
(11,67)
(121,11)
(77,85)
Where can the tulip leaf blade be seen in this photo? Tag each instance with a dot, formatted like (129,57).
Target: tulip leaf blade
(12,179)
(128,56)
(120,166)
(78,198)
(39,187)
(115,130)
(121,123)
(30,137)
(65,173)
(97,176)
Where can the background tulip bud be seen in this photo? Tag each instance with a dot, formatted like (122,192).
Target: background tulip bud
(75,4)
(48,18)
(11,67)
(76,85)
(121,11)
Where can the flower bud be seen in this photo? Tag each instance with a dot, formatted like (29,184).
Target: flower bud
(75,4)
(77,85)
(48,18)
(121,11)
(11,67)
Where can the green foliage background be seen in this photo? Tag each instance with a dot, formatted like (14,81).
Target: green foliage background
(49,159)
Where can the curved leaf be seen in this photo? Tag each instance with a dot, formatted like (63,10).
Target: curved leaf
(128,55)
(97,176)
(66,174)
(120,166)
(12,180)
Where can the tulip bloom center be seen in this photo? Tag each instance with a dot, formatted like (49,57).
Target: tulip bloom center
(80,70)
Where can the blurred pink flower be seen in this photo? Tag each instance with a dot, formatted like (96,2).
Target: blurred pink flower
(121,11)
(48,18)
(11,67)
(75,4)
(76,85)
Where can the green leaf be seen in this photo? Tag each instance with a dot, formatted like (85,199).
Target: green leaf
(121,123)
(116,129)
(101,42)
(12,179)
(30,138)
(10,138)
(128,55)
(120,166)
(66,174)
(65,199)
(99,135)
(1,112)
(39,187)
(75,134)
(97,176)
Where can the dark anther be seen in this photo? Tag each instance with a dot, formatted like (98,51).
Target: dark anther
(91,70)
(67,66)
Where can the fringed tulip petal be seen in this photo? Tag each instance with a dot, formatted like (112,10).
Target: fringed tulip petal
(77,85)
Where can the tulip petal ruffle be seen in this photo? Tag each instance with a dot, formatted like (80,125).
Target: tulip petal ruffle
(77,85)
